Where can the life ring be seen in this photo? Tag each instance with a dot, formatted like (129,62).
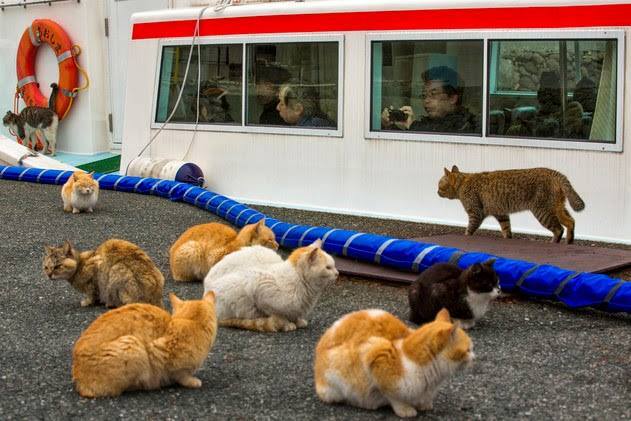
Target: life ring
(48,32)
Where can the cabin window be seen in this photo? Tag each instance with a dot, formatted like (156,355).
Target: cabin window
(427,86)
(293,84)
(220,90)
(557,89)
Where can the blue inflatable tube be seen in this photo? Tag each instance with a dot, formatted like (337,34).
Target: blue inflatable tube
(575,289)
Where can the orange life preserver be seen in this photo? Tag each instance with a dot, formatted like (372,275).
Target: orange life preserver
(49,32)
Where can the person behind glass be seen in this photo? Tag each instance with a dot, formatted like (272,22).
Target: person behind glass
(269,79)
(547,120)
(298,106)
(442,100)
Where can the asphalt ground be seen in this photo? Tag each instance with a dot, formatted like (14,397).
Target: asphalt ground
(535,360)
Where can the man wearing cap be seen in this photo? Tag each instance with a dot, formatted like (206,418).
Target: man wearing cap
(442,100)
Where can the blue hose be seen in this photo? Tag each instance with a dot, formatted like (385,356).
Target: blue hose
(575,289)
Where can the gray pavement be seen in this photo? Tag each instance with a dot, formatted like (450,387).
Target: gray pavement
(534,360)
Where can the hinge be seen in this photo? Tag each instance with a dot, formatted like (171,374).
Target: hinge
(107,27)
(110,122)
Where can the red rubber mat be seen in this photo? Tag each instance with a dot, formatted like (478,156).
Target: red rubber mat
(572,257)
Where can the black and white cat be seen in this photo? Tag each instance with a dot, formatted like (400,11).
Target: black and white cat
(33,120)
(465,293)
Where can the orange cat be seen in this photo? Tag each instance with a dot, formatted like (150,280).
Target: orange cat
(140,346)
(80,192)
(370,359)
(202,246)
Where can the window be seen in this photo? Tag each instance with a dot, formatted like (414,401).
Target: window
(427,86)
(220,99)
(293,84)
(558,89)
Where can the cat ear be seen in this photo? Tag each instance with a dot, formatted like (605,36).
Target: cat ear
(260,224)
(489,263)
(443,316)
(446,171)
(68,248)
(317,243)
(313,255)
(476,268)
(454,169)
(209,296)
(175,302)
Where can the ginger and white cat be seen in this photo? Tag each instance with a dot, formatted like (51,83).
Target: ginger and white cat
(116,273)
(200,247)
(141,346)
(80,192)
(371,359)
(257,290)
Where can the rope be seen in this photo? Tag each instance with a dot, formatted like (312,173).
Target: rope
(179,97)
(76,51)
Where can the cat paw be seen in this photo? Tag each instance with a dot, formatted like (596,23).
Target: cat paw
(300,323)
(404,410)
(289,327)
(190,382)
(87,302)
(75,210)
(67,209)
(90,210)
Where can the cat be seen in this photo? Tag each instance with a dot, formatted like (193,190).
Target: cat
(80,192)
(32,120)
(200,247)
(370,359)
(257,290)
(142,347)
(499,193)
(465,293)
(116,273)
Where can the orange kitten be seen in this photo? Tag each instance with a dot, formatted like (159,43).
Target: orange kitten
(370,359)
(116,273)
(202,246)
(80,192)
(142,347)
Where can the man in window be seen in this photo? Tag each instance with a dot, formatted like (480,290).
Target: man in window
(442,100)
(269,80)
(299,106)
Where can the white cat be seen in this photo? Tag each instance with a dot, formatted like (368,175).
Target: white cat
(257,290)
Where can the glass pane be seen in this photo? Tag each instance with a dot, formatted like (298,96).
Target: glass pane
(555,89)
(220,89)
(292,84)
(427,86)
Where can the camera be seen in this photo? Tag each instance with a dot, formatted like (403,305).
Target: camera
(397,115)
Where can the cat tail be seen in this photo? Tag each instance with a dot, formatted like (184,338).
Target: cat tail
(262,324)
(53,96)
(575,200)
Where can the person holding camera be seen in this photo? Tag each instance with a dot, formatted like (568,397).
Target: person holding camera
(442,100)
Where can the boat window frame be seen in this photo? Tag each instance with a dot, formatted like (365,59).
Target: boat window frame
(243,127)
(493,35)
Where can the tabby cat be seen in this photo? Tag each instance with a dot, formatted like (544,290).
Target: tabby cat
(200,247)
(465,293)
(80,192)
(370,359)
(33,120)
(257,290)
(499,193)
(140,346)
(116,273)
